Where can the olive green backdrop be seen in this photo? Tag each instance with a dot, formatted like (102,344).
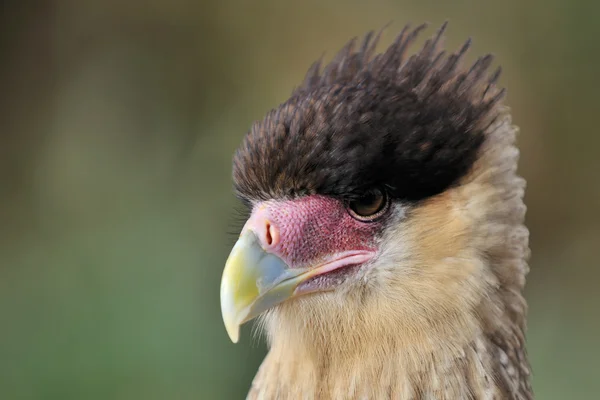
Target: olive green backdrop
(118,120)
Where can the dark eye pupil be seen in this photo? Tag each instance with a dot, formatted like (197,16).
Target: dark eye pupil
(368,200)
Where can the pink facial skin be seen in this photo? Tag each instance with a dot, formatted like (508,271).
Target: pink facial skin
(312,231)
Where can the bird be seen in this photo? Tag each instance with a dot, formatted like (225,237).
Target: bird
(385,251)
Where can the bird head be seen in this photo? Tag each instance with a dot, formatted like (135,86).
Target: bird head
(383,202)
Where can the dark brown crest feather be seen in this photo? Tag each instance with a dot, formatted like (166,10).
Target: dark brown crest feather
(413,125)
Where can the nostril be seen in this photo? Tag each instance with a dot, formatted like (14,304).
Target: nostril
(269,235)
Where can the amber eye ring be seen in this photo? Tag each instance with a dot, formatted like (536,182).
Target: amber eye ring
(369,206)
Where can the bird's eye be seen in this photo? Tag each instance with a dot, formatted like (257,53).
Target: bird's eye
(369,206)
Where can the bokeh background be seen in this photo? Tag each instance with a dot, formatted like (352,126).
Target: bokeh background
(118,120)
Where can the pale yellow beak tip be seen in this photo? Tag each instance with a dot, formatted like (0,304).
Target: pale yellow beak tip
(230,309)
(233,330)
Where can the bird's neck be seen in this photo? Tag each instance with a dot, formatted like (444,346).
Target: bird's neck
(473,363)
(447,373)
(381,368)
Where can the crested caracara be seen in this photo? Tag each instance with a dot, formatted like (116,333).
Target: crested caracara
(385,253)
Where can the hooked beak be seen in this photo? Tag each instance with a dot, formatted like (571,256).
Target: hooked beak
(254,280)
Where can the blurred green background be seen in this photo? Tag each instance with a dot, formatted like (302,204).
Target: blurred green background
(118,120)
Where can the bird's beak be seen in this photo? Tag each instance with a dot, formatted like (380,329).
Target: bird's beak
(254,281)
